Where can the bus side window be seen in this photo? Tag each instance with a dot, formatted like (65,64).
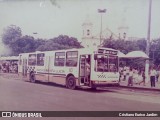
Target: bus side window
(40,59)
(59,59)
(32,59)
(72,58)
(113,64)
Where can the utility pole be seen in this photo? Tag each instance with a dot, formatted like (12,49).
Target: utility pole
(148,40)
(101,11)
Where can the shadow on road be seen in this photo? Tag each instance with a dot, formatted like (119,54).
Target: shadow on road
(50,84)
(98,90)
(84,89)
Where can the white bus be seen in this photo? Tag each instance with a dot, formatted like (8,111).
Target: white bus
(72,67)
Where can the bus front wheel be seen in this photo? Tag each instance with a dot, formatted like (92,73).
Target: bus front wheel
(32,77)
(71,82)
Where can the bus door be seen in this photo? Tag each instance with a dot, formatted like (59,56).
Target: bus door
(24,67)
(84,69)
(47,67)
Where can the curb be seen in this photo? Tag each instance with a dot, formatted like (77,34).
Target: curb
(140,88)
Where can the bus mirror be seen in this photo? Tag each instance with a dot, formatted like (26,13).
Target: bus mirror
(95,57)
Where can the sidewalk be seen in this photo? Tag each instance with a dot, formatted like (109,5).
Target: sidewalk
(9,75)
(141,86)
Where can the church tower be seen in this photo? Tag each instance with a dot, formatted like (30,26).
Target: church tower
(87,29)
(123,29)
(88,39)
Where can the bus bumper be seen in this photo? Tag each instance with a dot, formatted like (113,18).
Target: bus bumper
(104,84)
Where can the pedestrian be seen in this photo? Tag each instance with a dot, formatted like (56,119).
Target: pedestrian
(127,73)
(158,74)
(130,79)
(0,68)
(135,76)
(124,74)
(121,74)
(88,70)
(152,76)
(143,78)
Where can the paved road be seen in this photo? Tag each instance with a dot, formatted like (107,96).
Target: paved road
(17,95)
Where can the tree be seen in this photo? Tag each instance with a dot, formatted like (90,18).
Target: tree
(11,34)
(12,37)
(155,51)
(24,44)
(39,42)
(65,40)
(142,44)
(128,46)
(60,42)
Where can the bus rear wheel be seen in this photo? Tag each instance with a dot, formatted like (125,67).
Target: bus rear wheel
(71,82)
(93,88)
(32,77)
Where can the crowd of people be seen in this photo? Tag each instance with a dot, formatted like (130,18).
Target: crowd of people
(137,75)
(8,67)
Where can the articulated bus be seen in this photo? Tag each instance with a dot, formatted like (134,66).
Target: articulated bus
(72,67)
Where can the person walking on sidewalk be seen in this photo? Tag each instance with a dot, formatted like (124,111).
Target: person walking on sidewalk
(158,74)
(130,79)
(143,78)
(152,76)
(124,74)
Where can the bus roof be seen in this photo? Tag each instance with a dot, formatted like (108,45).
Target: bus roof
(81,50)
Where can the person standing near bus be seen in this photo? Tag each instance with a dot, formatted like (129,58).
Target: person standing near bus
(88,67)
(143,77)
(152,76)
(130,79)
(0,68)
(158,74)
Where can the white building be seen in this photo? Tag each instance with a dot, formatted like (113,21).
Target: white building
(123,32)
(123,29)
(88,40)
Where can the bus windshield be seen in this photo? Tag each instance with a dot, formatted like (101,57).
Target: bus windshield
(106,63)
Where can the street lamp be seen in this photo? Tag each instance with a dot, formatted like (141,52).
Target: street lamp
(148,39)
(101,11)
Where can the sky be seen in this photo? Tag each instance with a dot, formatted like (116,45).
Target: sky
(67,16)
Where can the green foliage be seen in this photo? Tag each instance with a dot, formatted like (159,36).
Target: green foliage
(126,46)
(142,44)
(11,34)
(60,42)
(155,51)
(12,37)
(24,44)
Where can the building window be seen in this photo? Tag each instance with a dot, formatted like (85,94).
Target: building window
(32,59)
(72,58)
(40,59)
(88,32)
(59,59)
